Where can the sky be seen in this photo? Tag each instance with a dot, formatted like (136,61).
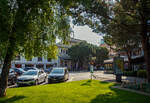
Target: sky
(85,33)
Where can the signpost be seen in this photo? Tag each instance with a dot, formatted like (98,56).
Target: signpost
(118,65)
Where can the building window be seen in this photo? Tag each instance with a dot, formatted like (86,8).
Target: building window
(39,59)
(49,59)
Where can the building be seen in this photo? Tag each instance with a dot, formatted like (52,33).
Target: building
(38,62)
(63,59)
(112,53)
(137,60)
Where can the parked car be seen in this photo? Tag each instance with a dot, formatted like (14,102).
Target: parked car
(18,71)
(32,77)
(11,77)
(30,68)
(58,74)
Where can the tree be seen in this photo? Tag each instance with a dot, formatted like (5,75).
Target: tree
(79,53)
(119,37)
(83,52)
(101,55)
(98,14)
(29,28)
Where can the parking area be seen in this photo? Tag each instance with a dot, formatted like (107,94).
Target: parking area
(76,76)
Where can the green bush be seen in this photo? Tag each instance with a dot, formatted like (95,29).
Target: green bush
(142,73)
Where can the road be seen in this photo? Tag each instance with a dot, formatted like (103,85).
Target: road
(100,75)
(76,76)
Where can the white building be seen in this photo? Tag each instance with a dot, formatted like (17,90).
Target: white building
(39,62)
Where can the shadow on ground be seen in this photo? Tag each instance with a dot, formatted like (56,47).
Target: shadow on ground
(12,99)
(87,83)
(119,96)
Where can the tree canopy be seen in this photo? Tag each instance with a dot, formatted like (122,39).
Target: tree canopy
(83,53)
(132,17)
(29,28)
(32,26)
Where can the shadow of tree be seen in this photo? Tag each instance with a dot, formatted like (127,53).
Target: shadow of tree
(119,96)
(104,82)
(12,99)
(87,83)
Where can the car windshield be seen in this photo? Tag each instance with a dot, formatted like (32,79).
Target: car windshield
(31,73)
(57,71)
(21,70)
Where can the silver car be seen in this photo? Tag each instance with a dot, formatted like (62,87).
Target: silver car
(32,77)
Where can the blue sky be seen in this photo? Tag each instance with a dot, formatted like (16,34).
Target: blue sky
(85,33)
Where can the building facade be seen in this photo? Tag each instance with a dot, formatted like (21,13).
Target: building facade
(63,59)
(38,62)
(112,53)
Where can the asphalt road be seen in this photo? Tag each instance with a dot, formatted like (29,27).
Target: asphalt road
(76,76)
(100,75)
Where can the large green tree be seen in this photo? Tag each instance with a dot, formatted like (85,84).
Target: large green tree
(83,53)
(29,28)
(118,36)
(98,14)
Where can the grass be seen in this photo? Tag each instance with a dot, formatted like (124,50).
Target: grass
(85,91)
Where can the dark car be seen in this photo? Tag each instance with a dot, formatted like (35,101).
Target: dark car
(58,74)
(12,78)
(30,68)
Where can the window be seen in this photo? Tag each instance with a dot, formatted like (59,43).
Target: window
(39,59)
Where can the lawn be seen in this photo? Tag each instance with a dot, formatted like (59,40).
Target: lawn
(85,91)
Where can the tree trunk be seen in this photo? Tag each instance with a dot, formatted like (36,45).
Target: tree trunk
(129,54)
(6,66)
(146,47)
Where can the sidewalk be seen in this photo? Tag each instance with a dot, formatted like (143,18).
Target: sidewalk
(112,78)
